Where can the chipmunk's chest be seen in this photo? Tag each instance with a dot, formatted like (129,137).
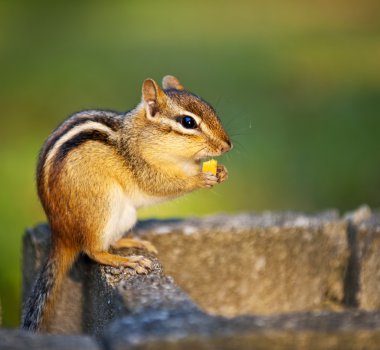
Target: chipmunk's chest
(122,208)
(122,216)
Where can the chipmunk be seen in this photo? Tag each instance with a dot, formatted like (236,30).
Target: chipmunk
(98,167)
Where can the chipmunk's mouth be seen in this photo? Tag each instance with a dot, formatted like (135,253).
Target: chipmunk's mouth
(207,154)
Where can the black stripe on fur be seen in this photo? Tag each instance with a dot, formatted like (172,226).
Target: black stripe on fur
(79,139)
(113,123)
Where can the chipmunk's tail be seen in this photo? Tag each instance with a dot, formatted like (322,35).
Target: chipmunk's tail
(41,300)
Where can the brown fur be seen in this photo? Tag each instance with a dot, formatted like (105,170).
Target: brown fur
(145,153)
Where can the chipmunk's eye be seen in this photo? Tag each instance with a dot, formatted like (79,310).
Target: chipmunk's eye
(187,122)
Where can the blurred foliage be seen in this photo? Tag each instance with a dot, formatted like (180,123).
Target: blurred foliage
(297,84)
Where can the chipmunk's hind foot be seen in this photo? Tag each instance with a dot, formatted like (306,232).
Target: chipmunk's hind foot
(138,263)
(134,243)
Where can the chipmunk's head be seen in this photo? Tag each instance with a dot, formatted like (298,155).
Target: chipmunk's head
(187,126)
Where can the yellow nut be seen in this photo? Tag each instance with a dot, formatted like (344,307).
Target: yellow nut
(210,166)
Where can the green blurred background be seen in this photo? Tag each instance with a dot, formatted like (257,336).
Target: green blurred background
(297,84)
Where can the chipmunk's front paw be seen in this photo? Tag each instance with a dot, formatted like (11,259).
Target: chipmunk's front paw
(208,180)
(221,173)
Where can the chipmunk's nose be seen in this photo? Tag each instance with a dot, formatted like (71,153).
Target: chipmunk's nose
(227,146)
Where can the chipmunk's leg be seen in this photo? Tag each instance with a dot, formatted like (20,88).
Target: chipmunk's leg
(139,263)
(96,249)
(107,227)
(134,243)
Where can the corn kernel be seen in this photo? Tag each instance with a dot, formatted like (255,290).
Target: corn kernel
(210,166)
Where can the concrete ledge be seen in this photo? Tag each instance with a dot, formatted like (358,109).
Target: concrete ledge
(295,277)
(368,260)
(11,339)
(178,329)
(194,330)
(237,264)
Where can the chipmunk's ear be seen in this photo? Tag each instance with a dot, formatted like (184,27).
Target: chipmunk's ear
(171,82)
(152,96)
